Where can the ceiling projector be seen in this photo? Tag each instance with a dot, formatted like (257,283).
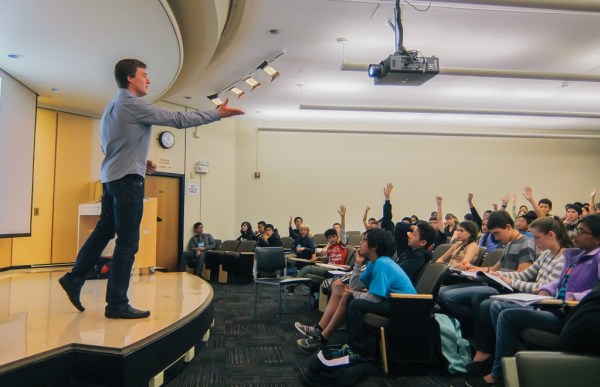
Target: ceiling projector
(404,69)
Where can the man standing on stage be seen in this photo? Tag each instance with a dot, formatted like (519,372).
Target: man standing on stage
(125,131)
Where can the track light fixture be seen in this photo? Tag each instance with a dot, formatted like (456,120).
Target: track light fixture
(269,70)
(249,81)
(215,99)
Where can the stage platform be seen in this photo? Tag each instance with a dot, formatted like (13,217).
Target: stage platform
(45,341)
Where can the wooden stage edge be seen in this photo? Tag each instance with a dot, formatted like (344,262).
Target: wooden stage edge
(46,341)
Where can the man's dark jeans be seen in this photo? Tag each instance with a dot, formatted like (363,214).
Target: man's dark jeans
(122,209)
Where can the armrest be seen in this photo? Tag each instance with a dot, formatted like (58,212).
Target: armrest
(412,296)
(571,304)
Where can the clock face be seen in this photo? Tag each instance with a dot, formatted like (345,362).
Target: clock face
(166,139)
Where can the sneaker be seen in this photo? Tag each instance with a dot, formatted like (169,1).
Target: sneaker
(307,330)
(356,358)
(345,350)
(311,344)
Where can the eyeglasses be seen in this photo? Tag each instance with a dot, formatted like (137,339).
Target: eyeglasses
(581,231)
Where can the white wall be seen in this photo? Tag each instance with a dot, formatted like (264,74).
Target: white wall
(214,207)
(312,174)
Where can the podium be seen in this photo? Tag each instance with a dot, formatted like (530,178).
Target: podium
(89,214)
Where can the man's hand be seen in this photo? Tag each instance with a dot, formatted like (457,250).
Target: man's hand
(290,221)
(150,167)
(470,198)
(543,293)
(593,194)
(342,210)
(226,111)
(505,199)
(367,210)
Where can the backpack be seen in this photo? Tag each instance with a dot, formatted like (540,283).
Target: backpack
(100,269)
(348,374)
(451,349)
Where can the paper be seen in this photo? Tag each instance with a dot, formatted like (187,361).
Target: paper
(484,277)
(523,299)
(329,266)
(337,272)
(338,361)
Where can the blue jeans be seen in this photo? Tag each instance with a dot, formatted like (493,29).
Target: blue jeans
(458,300)
(359,339)
(121,214)
(509,319)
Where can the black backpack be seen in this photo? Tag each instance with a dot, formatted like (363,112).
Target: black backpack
(321,375)
(101,269)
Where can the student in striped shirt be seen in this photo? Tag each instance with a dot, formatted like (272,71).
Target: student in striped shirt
(580,273)
(550,236)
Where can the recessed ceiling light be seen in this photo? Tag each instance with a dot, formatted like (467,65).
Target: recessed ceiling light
(15,56)
(187,97)
(54,89)
(274,31)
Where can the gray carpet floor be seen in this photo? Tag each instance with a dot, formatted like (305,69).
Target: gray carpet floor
(262,352)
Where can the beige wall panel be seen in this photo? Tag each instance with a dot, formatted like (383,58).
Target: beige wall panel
(74,149)
(312,174)
(37,249)
(215,206)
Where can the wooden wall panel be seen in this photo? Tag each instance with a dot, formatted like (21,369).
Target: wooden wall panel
(74,149)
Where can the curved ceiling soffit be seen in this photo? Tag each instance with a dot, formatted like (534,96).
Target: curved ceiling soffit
(200,25)
(177,32)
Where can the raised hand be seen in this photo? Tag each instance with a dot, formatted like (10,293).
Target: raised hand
(528,193)
(387,190)
(470,197)
(505,199)
(438,200)
(342,210)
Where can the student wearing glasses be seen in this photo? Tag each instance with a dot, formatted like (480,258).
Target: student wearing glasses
(580,273)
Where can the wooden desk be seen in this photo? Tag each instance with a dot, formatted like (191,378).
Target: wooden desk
(89,214)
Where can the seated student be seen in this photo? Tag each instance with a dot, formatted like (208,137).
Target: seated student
(384,278)
(407,220)
(295,233)
(476,218)
(304,246)
(523,221)
(541,208)
(519,253)
(573,213)
(450,225)
(246,233)
(335,254)
(551,237)
(334,314)
(579,275)
(269,237)
(260,229)
(415,240)
(381,277)
(487,240)
(465,250)
(436,220)
(440,238)
(198,245)
(341,227)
